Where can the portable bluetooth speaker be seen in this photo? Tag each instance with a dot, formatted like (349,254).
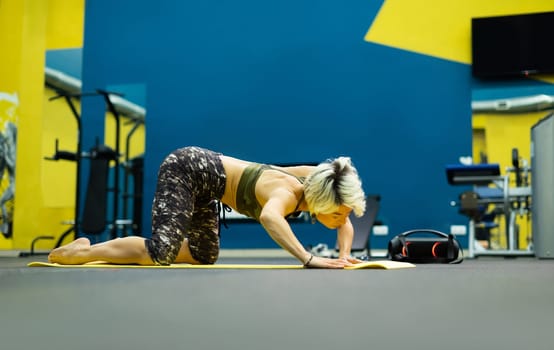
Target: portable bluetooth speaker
(430,246)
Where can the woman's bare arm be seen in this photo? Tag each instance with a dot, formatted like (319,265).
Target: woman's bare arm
(345,236)
(273,220)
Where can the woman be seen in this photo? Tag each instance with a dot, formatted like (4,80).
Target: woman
(185,216)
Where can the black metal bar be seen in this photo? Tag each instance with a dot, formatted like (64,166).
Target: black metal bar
(127,172)
(112,109)
(78,158)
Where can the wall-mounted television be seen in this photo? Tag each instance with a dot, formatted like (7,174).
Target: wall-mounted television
(514,45)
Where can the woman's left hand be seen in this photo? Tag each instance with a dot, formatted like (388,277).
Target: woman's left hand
(351,259)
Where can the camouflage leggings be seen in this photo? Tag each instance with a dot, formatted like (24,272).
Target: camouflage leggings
(191,180)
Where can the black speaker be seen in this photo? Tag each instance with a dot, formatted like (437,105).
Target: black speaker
(430,247)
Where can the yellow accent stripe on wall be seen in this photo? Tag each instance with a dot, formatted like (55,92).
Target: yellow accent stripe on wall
(440,28)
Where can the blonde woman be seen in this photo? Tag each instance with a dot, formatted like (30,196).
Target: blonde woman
(192,182)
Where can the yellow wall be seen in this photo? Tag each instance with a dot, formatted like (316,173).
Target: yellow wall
(64,27)
(23,43)
(504,132)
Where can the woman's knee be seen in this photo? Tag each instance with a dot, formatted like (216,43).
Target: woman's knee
(160,253)
(205,249)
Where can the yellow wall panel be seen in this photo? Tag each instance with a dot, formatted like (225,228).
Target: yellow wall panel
(11,32)
(58,177)
(65,23)
(507,131)
(440,28)
(22,43)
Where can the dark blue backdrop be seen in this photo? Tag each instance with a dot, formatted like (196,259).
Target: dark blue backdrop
(286,81)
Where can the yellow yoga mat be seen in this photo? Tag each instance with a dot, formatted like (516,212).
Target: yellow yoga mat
(378,264)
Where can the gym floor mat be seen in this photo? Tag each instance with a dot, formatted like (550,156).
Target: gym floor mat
(378,264)
(483,303)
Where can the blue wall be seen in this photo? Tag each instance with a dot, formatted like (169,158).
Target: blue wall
(286,81)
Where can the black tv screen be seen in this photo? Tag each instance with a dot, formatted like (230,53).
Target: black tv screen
(515,45)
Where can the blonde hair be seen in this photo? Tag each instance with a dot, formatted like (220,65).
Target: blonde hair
(332,184)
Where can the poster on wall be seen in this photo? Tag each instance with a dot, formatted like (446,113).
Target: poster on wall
(9,104)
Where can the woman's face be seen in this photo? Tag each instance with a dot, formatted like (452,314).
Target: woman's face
(335,219)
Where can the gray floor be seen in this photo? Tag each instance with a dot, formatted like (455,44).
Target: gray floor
(484,303)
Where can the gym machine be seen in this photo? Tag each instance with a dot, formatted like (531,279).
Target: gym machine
(93,220)
(490,188)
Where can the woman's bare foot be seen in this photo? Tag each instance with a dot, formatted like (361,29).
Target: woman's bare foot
(72,253)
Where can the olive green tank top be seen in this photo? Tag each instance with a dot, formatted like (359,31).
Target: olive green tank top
(247,204)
